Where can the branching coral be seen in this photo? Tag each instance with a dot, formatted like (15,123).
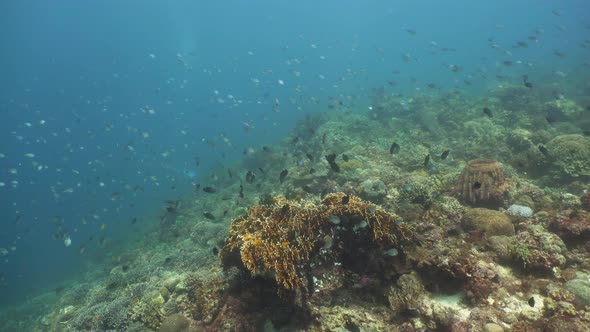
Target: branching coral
(283,237)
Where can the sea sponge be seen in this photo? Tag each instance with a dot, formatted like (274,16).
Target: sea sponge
(281,238)
(491,222)
(571,154)
(482,183)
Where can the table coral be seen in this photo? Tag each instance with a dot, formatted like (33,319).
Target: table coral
(283,237)
(482,183)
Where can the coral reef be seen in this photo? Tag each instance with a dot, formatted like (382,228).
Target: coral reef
(482,183)
(439,252)
(571,154)
(102,317)
(562,110)
(519,211)
(585,200)
(373,190)
(282,238)
(407,294)
(419,189)
(573,226)
(175,323)
(538,249)
(580,287)
(148,309)
(489,221)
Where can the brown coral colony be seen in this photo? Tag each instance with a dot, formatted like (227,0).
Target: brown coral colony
(283,237)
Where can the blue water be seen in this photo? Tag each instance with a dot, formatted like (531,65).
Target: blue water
(80,80)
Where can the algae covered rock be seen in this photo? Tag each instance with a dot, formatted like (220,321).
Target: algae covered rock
(407,294)
(536,248)
(571,154)
(373,190)
(573,226)
(148,310)
(491,222)
(580,287)
(419,189)
(492,327)
(501,245)
(585,200)
(175,323)
(519,140)
(562,109)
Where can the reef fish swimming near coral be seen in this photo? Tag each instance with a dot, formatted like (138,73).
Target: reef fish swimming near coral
(394,148)
(283,175)
(250,176)
(427,160)
(525,80)
(543,150)
(209,190)
(331,158)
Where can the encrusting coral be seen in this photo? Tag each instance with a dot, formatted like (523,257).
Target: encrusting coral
(284,236)
(482,183)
